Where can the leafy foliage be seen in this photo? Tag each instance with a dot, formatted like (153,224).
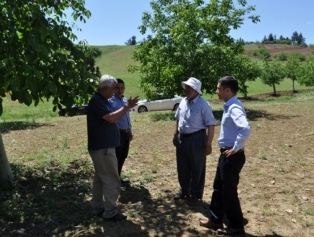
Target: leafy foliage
(245,70)
(272,74)
(190,38)
(292,68)
(264,54)
(306,73)
(281,56)
(38,59)
(297,38)
(131,41)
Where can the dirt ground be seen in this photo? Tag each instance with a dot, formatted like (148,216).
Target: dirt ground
(281,48)
(276,187)
(274,49)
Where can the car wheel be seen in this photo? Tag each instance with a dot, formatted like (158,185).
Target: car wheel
(142,109)
(175,107)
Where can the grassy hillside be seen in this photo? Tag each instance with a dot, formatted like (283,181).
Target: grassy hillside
(115,59)
(274,49)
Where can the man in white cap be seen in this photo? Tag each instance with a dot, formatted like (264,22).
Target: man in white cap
(194,116)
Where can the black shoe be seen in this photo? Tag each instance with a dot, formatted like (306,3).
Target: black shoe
(125,181)
(180,195)
(98,214)
(231,231)
(118,217)
(193,201)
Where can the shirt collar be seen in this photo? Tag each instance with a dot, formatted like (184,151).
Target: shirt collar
(231,101)
(117,97)
(192,101)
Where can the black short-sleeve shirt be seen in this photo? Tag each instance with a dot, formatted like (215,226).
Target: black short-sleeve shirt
(100,133)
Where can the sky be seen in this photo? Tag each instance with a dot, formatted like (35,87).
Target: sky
(113,22)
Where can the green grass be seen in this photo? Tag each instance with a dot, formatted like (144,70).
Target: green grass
(114,61)
(16,111)
(257,87)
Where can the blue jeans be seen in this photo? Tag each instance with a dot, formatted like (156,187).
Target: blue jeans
(225,199)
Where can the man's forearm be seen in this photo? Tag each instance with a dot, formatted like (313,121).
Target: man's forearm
(176,132)
(210,134)
(116,115)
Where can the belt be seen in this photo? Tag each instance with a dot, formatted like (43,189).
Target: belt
(191,134)
(125,130)
(229,148)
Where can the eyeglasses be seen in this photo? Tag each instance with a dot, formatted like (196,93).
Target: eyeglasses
(119,88)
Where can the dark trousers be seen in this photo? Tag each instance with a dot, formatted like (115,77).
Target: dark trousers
(122,151)
(191,164)
(225,199)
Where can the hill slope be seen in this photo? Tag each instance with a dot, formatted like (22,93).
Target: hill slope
(275,49)
(115,59)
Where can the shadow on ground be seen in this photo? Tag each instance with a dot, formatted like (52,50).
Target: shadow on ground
(253,115)
(6,127)
(56,202)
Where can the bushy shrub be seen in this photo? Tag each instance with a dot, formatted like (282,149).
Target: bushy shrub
(269,42)
(281,57)
(288,42)
(300,56)
(264,53)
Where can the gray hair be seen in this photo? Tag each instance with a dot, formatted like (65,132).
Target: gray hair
(106,81)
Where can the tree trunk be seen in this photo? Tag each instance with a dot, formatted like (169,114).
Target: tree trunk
(5,170)
(245,90)
(274,88)
(293,89)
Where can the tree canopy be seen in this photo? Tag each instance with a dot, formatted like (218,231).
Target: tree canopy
(272,74)
(297,38)
(306,73)
(131,41)
(245,69)
(38,59)
(292,68)
(189,38)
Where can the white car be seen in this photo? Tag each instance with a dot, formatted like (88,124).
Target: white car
(160,103)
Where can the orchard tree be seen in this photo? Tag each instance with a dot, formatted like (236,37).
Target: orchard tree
(245,69)
(292,68)
(38,59)
(189,38)
(306,73)
(272,74)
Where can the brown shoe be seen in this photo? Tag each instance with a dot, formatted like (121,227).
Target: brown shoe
(231,231)
(210,225)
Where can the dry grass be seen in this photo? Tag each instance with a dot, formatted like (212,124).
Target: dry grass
(52,193)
